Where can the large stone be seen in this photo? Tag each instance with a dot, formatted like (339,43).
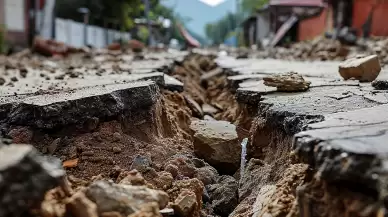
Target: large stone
(217,143)
(224,195)
(361,68)
(25,177)
(185,204)
(125,199)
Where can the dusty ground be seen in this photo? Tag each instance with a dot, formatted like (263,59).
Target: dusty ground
(152,148)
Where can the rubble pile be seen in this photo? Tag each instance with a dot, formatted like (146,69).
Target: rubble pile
(323,49)
(318,49)
(121,128)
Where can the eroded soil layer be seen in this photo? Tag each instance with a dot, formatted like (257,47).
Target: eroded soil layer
(168,144)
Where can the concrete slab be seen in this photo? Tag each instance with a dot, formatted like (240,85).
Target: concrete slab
(348,146)
(52,109)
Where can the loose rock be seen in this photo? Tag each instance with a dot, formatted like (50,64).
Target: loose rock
(224,195)
(380,84)
(185,204)
(140,163)
(194,106)
(25,176)
(361,68)
(217,143)
(125,199)
(80,206)
(287,82)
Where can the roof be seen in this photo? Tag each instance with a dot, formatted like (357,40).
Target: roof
(189,39)
(316,3)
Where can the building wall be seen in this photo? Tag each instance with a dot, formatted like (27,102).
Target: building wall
(13,15)
(313,27)
(263,26)
(361,9)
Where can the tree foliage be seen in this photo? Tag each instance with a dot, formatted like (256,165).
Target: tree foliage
(218,31)
(225,27)
(120,14)
(250,6)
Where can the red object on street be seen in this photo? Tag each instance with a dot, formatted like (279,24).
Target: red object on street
(41,4)
(313,3)
(189,39)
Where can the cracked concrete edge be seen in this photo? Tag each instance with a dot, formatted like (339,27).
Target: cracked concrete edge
(47,111)
(348,147)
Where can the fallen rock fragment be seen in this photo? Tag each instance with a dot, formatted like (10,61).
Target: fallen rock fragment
(380,84)
(2,81)
(140,163)
(25,177)
(224,195)
(287,82)
(185,204)
(194,107)
(125,199)
(111,214)
(80,206)
(217,143)
(209,109)
(189,185)
(191,167)
(70,163)
(362,68)
(133,178)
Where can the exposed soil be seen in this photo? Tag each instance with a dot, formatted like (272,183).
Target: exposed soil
(154,148)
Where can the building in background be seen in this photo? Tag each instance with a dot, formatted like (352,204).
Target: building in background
(314,18)
(14,18)
(17,17)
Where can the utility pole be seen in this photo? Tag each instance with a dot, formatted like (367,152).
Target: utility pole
(36,12)
(237,21)
(147,9)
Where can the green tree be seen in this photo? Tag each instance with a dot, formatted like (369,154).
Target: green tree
(220,30)
(250,6)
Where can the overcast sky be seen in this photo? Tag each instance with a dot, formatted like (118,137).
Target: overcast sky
(199,12)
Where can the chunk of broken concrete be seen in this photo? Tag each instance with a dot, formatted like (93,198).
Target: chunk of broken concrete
(194,107)
(80,206)
(362,68)
(125,199)
(380,84)
(209,110)
(25,177)
(217,143)
(185,203)
(288,82)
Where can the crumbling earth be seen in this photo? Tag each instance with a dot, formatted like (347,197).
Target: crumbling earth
(105,133)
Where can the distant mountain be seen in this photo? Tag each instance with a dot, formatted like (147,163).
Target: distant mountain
(199,13)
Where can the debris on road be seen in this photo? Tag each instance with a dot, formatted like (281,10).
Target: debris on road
(362,68)
(125,199)
(157,133)
(26,176)
(217,143)
(380,84)
(287,82)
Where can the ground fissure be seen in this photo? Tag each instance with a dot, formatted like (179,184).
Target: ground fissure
(175,147)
